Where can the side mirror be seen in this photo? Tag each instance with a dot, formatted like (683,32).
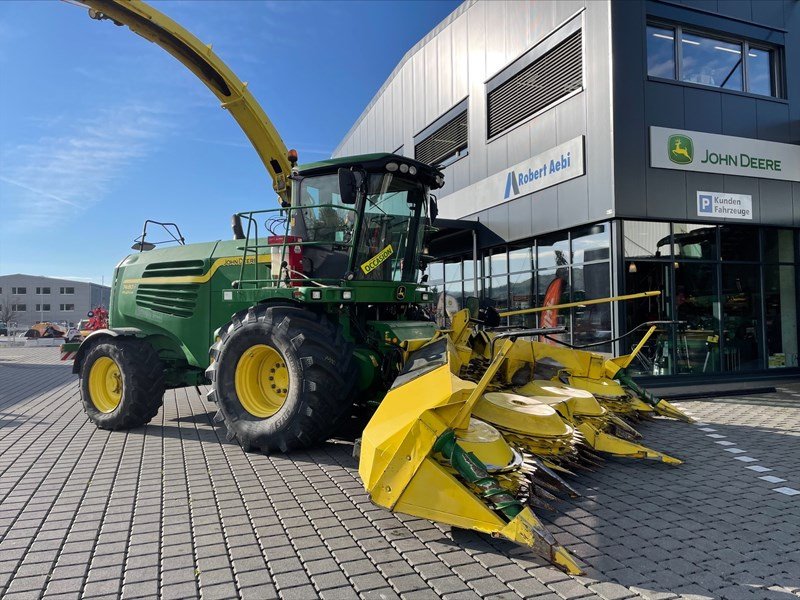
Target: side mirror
(433,209)
(236,226)
(347,186)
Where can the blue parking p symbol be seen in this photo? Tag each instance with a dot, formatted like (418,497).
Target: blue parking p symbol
(704,204)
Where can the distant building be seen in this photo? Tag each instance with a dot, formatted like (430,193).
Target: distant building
(33,298)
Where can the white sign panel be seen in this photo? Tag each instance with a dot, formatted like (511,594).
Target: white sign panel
(729,206)
(712,153)
(549,168)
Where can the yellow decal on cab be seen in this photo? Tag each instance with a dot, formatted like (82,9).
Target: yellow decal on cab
(377,260)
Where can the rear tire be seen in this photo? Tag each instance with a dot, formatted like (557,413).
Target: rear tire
(122,383)
(303,353)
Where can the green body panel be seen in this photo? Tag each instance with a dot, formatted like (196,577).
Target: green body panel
(178,297)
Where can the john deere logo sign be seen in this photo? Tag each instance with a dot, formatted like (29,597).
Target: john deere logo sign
(680,149)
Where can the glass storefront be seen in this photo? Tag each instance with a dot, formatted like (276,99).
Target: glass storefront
(728,294)
(728,298)
(556,269)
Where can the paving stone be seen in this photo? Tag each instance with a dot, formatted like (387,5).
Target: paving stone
(709,528)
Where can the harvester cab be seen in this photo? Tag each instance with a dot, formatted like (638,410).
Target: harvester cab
(318,308)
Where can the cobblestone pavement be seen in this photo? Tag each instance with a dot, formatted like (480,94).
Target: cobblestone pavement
(173,509)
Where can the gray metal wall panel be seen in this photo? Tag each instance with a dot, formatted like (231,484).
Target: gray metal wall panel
(573,202)
(599,148)
(768,12)
(738,115)
(544,206)
(665,189)
(703,110)
(520,219)
(710,5)
(476,36)
(629,101)
(543,133)
(519,144)
(775,202)
(737,9)
(772,119)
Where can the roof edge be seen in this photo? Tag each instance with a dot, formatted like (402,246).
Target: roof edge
(460,10)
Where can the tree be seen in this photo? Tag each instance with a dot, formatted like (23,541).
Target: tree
(6,312)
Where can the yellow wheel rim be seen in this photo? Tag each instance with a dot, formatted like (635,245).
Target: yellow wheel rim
(262,381)
(105,384)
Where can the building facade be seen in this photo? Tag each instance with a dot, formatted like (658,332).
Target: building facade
(33,299)
(611,148)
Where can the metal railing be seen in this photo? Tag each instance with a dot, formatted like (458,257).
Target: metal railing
(252,247)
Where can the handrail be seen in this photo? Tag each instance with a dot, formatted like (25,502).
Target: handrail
(527,311)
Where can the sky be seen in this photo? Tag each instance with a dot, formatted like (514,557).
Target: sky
(100,129)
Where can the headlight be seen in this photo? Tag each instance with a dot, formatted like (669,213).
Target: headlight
(404,168)
(412,170)
(391,167)
(316,295)
(347,295)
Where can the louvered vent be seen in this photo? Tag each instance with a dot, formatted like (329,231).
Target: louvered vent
(177,268)
(175,300)
(443,143)
(550,77)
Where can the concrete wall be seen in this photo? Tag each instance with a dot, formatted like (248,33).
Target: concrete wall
(645,192)
(86,296)
(454,62)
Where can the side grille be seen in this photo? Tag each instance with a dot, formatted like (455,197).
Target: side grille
(548,78)
(178,268)
(444,142)
(176,300)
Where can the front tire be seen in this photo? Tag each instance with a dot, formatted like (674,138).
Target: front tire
(122,383)
(282,377)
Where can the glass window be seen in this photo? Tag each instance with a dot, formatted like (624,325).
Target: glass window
(469,269)
(497,294)
(760,71)
(644,239)
(435,273)
(778,245)
(741,307)
(780,305)
(697,306)
(19,290)
(661,52)
(709,61)
(522,292)
(553,288)
(655,358)
(591,243)
(498,262)
(452,271)
(592,324)
(695,241)
(738,243)
(520,259)
(18,308)
(553,251)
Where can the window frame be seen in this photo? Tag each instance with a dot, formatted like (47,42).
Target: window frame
(776,68)
(19,290)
